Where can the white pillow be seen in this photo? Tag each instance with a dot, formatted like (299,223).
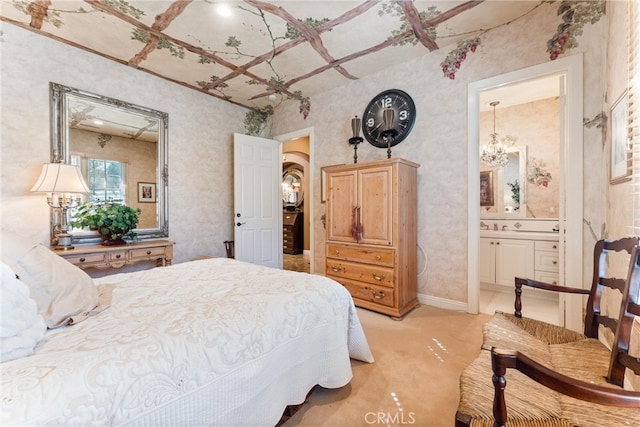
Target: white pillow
(21,327)
(63,292)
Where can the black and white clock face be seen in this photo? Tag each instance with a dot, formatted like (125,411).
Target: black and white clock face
(404,117)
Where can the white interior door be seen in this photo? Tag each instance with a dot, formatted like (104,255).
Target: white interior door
(257,200)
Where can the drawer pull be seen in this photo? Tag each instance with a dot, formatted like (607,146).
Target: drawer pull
(83,259)
(554,283)
(378,295)
(378,278)
(555,262)
(378,257)
(148,252)
(555,246)
(337,269)
(337,252)
(118,256)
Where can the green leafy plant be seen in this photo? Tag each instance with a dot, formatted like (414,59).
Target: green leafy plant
(515,192)
(112,220)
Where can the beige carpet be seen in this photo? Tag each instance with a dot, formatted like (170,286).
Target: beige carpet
(414,380)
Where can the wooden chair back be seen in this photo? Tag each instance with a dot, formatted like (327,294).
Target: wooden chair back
(501,359)
(630,308)
(594,316)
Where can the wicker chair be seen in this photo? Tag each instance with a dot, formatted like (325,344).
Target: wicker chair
(551,348)
(553,334)
(582,401)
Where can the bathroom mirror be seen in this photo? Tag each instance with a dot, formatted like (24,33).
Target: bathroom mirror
(292,188)
(533,145)
(508,186)
(121,149)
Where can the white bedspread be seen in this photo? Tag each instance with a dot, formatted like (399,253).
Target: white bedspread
(215,342)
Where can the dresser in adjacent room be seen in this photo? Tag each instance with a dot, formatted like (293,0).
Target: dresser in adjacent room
(371,231)
(292,232)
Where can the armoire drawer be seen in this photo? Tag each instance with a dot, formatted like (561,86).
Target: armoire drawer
(377,256)
(366,292)
(373,274)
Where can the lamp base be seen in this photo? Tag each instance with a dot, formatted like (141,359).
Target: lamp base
(64,242)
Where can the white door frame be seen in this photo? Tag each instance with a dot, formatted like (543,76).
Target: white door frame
(308,198)
(572,67)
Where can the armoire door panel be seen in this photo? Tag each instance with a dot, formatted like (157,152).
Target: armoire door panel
(342,195)
(375,199)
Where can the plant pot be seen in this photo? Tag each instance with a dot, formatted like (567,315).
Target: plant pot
(114,242)
(110,241)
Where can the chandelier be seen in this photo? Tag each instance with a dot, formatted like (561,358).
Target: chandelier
(494,154)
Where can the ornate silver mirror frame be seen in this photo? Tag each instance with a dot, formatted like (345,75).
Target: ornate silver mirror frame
(61,97)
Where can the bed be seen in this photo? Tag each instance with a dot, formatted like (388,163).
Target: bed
(207,342)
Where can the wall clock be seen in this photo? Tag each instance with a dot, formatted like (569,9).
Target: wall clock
(404,117)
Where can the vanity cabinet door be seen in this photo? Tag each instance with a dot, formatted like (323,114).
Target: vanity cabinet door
(500,260)
(514,258)
(487,261)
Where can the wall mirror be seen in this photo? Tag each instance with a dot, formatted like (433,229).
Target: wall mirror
(121,149)
(292,188)
(504,191)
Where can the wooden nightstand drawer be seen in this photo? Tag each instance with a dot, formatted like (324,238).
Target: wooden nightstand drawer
(377,256)
(86,259)
(118,256)
(147,253)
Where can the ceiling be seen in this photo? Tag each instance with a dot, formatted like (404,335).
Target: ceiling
(263,53)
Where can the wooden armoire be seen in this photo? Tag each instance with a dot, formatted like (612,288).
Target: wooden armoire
(371,233)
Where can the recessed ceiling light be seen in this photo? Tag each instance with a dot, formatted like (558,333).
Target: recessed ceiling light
(223,10)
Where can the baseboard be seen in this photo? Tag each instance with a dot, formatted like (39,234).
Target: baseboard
(442,303)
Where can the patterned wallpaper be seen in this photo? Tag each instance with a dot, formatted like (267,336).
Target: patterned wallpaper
(438,140)
(200,137)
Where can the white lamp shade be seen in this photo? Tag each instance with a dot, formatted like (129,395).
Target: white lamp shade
(60,178)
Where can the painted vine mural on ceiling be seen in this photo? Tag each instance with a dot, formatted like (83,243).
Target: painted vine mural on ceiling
(430,27)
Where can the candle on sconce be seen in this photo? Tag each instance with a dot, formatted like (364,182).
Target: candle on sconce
(356,138)
(388,116)
(355,126)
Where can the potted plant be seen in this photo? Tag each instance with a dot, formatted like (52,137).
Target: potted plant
(112,220)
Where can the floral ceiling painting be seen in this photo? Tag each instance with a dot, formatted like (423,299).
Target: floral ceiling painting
(258,54)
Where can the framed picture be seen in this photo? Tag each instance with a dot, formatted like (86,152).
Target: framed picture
(146,192)
(620,146)
(486,188)
(323,191)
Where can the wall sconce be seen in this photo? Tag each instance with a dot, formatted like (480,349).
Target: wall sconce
(389,133)
(356,139)
(62,182)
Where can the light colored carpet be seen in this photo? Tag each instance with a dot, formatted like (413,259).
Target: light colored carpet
(414,380)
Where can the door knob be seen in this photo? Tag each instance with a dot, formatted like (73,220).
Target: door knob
(240,223)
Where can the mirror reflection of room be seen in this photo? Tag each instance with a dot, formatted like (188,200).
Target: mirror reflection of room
(120,149)
(295,223)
